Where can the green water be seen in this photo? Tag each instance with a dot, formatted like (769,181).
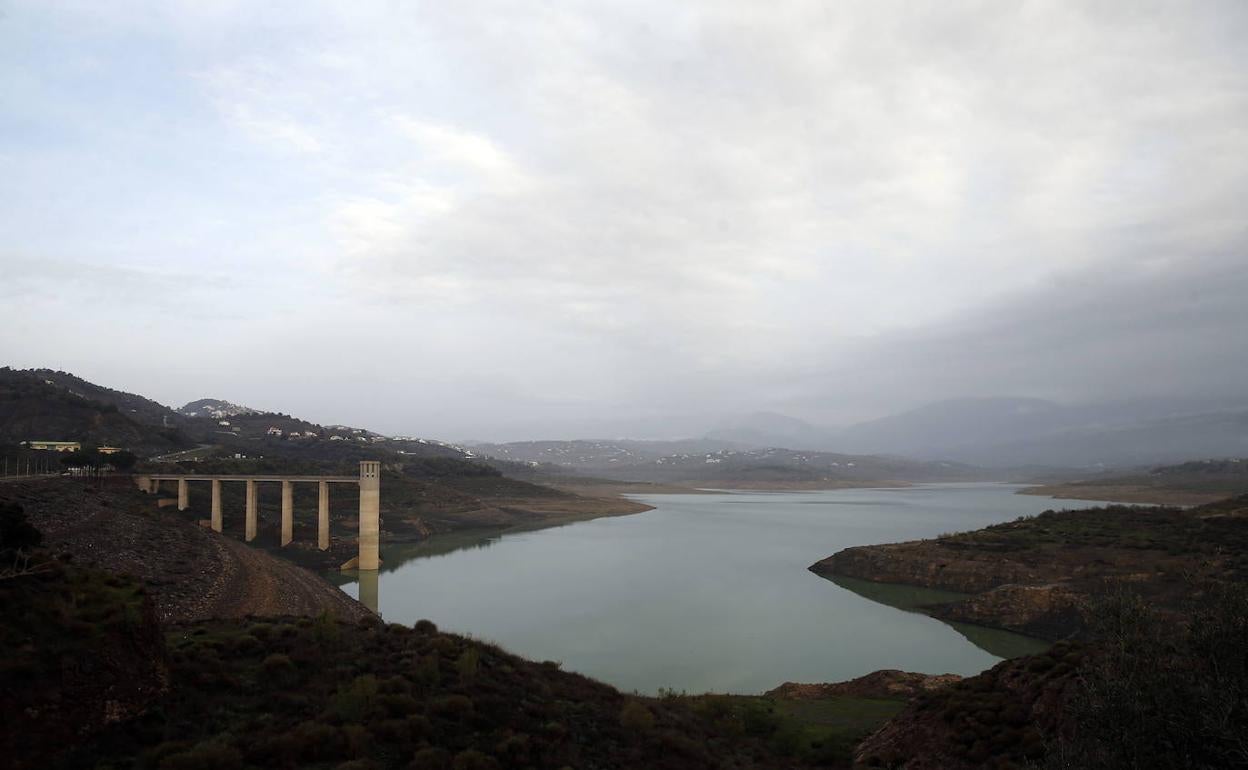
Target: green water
(708,592)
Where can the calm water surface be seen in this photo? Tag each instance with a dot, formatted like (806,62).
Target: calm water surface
(708,592)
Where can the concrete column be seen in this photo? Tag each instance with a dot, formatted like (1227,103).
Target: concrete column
(184,499)
(370,515)
(216,505)
(322,518)
(370,589)
(155,490)
(288,512)
(251,512)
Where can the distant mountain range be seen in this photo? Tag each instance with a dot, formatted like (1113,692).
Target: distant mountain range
(1016,432)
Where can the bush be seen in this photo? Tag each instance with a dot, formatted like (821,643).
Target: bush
(278,670)
(474,760)
(209,755)
(354,702)
(1157,694)
(16,533)
(636,717)
(432,758)
(466,664)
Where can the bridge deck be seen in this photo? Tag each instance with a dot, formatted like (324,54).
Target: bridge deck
(232,477)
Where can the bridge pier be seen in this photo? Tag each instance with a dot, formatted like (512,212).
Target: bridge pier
(370,515)
(322,516)
(369,482)
(250,526)
(216,505)
(288,512)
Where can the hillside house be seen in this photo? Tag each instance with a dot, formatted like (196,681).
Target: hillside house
(274,431)
(54,446)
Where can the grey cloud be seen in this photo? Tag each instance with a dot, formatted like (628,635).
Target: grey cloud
(666,213)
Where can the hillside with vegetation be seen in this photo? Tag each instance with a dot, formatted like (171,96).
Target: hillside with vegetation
(430,487)
(43,405)
(1144,693)
(1189,483)
(46,404)
(1038,574)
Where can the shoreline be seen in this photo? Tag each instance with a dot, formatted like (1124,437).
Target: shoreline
(1126,493)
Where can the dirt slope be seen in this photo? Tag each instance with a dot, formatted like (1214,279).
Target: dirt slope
(191,573)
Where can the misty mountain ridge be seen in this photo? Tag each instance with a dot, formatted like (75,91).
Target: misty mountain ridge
(708,461)
(1015,431)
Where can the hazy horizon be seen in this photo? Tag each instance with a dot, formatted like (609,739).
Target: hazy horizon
(494,222)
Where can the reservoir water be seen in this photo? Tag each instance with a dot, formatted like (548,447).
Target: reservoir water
(708,592)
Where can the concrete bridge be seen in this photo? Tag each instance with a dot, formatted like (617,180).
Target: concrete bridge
(369,481)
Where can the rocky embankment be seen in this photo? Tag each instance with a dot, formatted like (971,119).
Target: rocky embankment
(1000,718)
(886,683)
(1030,598)
(1037,574)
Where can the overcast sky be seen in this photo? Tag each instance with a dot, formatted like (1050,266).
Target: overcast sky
(509,219)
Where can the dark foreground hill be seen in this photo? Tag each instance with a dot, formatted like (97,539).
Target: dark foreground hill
(102,669)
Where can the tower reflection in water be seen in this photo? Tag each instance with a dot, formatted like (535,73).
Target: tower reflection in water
(369,591)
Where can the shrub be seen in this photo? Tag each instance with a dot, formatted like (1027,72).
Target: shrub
(427,627)
(354,702)
(279,670)
(428,673)
(472,759)
(466,664)
(16,533)
(636,717)
(453,707)
(432,758)
(209,755)
(358,739)
(318,741)
(1159,695)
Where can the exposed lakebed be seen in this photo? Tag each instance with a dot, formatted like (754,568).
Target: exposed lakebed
(709,592)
